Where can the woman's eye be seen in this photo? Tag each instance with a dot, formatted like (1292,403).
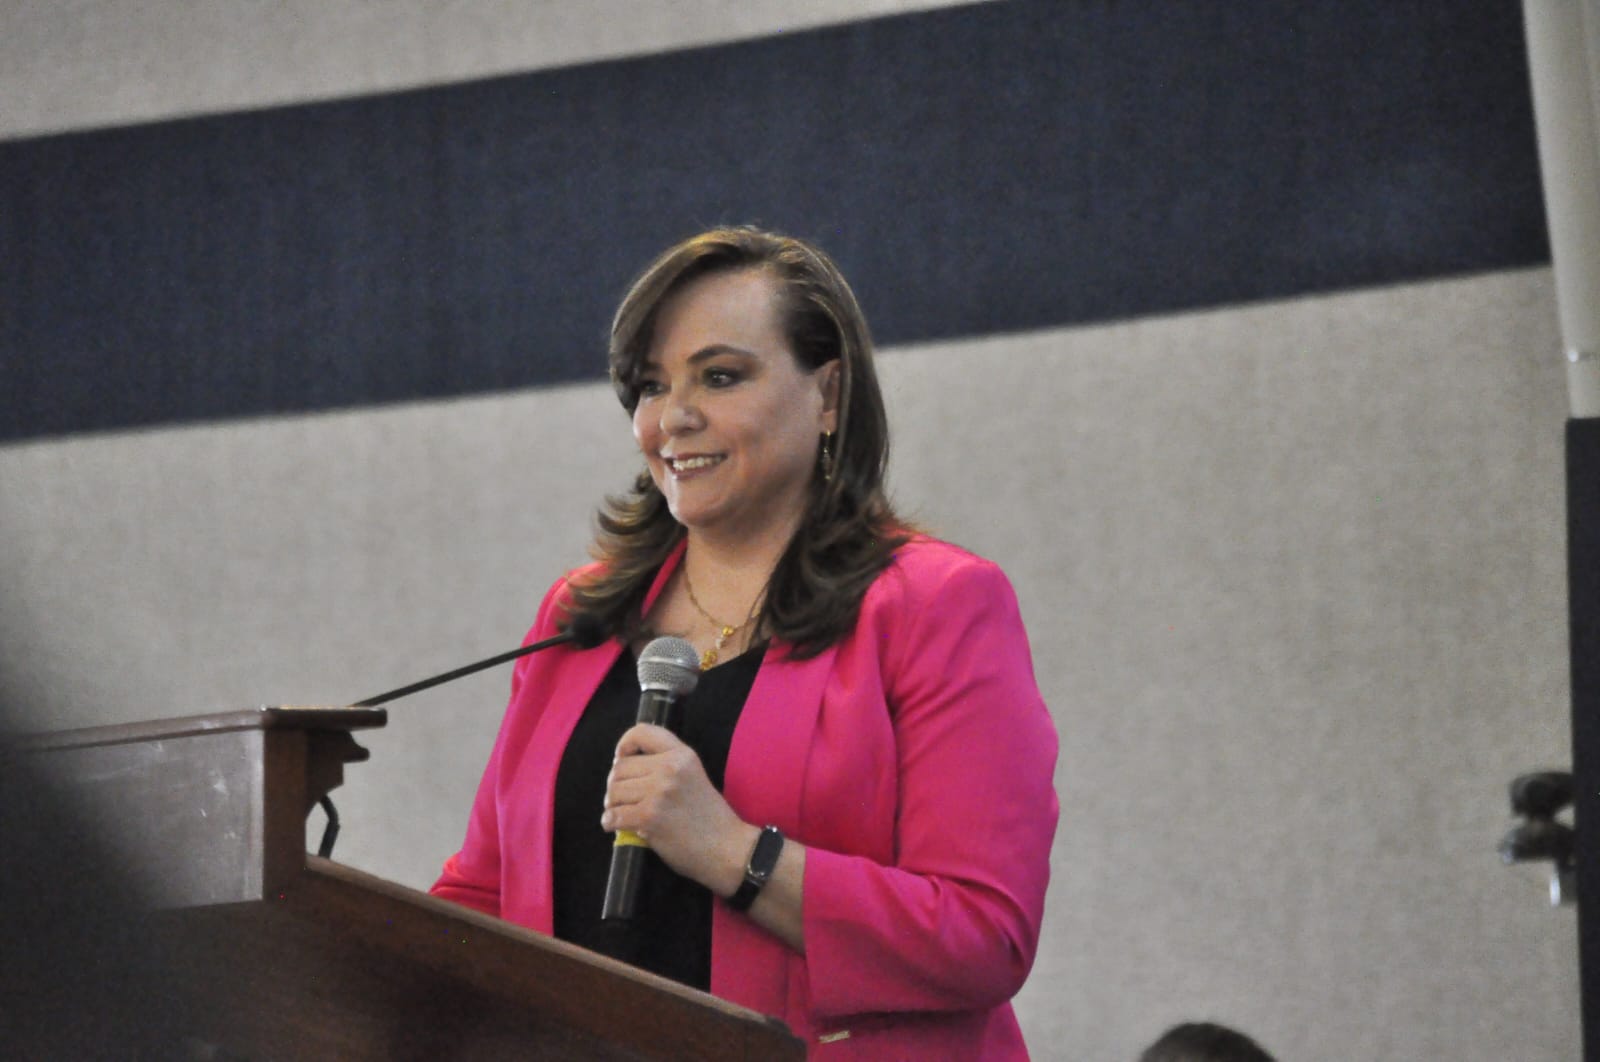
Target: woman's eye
(721,377)
(649,388)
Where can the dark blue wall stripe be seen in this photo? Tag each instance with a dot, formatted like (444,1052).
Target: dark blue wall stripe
(1000,167)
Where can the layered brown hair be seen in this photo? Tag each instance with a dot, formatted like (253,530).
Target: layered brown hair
(848,533)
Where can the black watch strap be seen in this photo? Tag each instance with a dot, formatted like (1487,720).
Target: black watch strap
(758,871)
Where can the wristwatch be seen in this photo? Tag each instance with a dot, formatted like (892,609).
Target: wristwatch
(758,871)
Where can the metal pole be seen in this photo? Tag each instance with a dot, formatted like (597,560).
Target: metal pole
(1564,63)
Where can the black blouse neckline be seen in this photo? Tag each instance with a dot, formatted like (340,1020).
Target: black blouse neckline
(672,934)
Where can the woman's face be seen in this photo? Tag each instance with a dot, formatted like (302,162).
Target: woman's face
(727,420)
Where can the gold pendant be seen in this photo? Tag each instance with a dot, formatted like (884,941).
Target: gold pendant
(709,657)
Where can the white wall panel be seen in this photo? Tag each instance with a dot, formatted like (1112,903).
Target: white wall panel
(1293,575)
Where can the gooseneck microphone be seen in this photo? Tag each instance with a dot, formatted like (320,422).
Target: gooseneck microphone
(584,631)
(669,668)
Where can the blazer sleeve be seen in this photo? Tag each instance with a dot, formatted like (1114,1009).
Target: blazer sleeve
(953,923)
(471,877)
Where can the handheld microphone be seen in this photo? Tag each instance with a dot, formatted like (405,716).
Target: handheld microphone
(584,631)
(669,669)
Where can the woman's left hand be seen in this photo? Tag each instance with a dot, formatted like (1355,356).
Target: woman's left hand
(658,789)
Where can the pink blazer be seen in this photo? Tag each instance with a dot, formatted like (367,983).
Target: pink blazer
(914,759)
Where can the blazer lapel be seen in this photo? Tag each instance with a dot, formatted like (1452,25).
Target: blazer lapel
(570,688)
(765,777)
(765,783)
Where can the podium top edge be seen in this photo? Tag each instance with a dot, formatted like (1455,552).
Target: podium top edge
(266,717)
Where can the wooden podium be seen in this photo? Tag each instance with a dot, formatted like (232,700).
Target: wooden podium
(288,956)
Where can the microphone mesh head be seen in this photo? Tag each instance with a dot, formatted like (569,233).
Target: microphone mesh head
(669,664)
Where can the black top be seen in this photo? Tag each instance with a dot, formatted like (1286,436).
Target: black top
(672,934)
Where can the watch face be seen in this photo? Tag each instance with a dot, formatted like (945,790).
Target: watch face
(765,856)
(763,860)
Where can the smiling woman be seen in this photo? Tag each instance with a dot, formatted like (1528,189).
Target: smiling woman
(728,421)
(853,823)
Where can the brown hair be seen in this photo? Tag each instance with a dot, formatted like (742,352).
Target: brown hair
(849,531)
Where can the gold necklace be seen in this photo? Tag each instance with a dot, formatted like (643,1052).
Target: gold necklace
(708,659)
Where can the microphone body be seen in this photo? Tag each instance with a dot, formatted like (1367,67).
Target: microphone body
(669,668)
(659,708)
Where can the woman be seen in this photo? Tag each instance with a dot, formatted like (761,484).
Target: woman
(867,730)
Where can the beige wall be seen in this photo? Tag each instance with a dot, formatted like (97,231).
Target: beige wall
(1293,575)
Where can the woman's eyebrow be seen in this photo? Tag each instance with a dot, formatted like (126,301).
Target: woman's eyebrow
(652,364)
(719,348)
